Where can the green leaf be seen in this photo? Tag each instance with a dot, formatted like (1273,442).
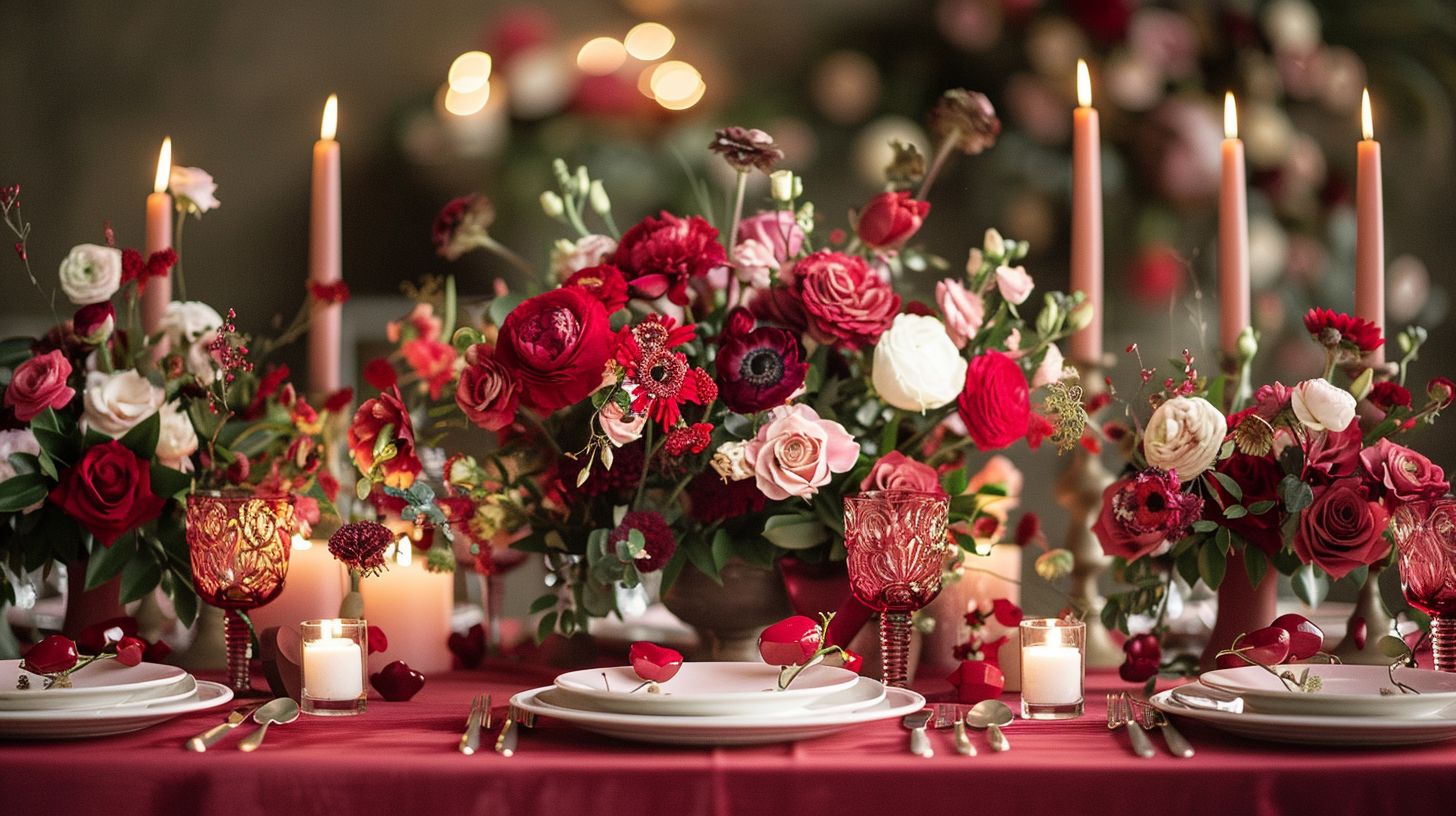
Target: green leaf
(673,568)
(21,491)
(795,532)
(1224,539)
(169,483)
(891,434)
(1259,508)
(1296,494)
(1310,584)
(14,351)
(502,306)
(542,604)
(545,626)
(1392,646)
(702,558)
(596,599)
(1187,564)
(955,482)
(1204,526)
(1229,485)
(1255,564)
(108,562)
(1211,565)
(140,576)
(1235,511)
(722,549)
(143,436)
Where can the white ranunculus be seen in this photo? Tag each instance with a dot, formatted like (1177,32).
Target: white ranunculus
(917,366)
(115,403)
(190,327)
(568,257)
(91,273)
(1184,435)
(196,186)
(178,439)
(15,441)
(1322,406)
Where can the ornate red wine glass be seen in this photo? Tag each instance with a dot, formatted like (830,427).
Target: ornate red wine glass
(239,546)
(897,547)
(1425,536)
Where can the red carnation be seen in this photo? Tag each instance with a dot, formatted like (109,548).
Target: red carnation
(660,543)
(1332,330)
(605,283)
(995,405)
(660,255)
(339,400)
(711,499)
(432,361)
(846,302)
(360,545)
(1387,395)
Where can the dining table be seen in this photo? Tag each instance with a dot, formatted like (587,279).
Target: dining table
(402,758)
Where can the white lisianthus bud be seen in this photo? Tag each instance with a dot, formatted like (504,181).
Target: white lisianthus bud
(600,204)
(552,204)
(1081,317)
(1248,343)
(781,184)
(583,181)
(994,244)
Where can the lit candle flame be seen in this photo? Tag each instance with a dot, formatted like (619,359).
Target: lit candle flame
(1230,117)
(1366,125)
(1084,85)
(164,166)
(331,118)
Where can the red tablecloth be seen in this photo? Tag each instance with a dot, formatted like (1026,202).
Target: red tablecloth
(401,759)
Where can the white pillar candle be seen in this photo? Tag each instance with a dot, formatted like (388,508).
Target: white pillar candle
(333,669)
(413,607)
(1051,675)
(313,589)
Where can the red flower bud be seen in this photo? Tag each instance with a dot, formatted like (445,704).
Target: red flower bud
(130,651)
(655,663)
(53,655)
(1305,639)
(789,642)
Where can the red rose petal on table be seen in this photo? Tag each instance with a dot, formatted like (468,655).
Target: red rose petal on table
(658,664)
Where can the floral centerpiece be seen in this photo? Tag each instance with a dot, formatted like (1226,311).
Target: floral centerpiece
(682,397)
(1302,479)
(104,429)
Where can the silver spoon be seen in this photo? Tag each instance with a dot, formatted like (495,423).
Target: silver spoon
(281,710)
(991,715)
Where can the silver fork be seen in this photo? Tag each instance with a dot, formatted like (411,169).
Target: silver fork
(948,715)
(1118,714)
(1148,717)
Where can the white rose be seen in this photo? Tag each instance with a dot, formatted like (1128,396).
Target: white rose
(115,403)
(91,273)
(192,325)
(16,441)
(730,461)
(587,251)
(196,186)
(1184,435)
(178,439)
(917,366)
(1322,406)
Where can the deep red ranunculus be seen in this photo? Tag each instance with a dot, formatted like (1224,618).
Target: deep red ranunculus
(1259,478)
(108,492)
(759,369)
(889,219)
(846,303)
(386,411)
(39,383)
(557,345)
(1342,530)
(660,255)
(487,392)
(605,283)
(996,403)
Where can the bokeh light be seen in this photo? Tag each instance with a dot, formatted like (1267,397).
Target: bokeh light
(470,72)
(601,56)
(675,81)
(649,41)
(467,103)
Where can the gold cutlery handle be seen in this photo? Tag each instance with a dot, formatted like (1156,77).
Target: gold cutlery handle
(208,738)
(962,742)
(505,744)
(997,739)
(470,740)
(253,740)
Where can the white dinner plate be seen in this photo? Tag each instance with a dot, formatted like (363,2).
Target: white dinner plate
(864,693)
(1345,690)
(1308,729)
(104,682)
(101,722)
(706,689)
(729,730)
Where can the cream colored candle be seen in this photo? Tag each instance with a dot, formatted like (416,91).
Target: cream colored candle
(333,669)
(1086,345)
(325,264)
(413,608)
(313,588)
(159,237)
(1233,237)
(1051,675)
(1369,233)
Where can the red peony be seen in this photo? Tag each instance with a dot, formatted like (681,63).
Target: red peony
(660,542)
(660,255)
(605,283)
(39,383)
(1258,477)
(487,392)
(108,492)
(1342,530)
(1399,474)
(432,361)
(556,345)
(889,219)
(846,302)
(376,416)
(1332,329)
(996,403)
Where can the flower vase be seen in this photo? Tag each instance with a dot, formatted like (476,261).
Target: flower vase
(1242,607)
(87,606)
(728,617)
(1370,612)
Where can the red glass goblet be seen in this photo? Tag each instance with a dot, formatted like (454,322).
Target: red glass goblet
(897,547)
(1425,536)
(239,546)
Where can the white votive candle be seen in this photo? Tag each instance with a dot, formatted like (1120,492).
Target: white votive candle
(333,669)
(1051,675)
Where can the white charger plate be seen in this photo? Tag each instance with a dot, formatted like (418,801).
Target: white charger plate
(1346,690)
(104,682)
(728,730)
(1304,729)
(102,722)
(706,689)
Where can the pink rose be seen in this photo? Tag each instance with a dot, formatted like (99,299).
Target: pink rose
(1014,283)
(621,428)
(963,310)
(1402,475)
(846,303)
(1342,530)
(766,242)
(889,219)
(797,453)
(487,392)
(896,471)
(39,383)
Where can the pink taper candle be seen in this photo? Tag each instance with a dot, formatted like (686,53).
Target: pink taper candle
(1233,238)
(1086,345)
(324,257)
(1370,234)
(159,237)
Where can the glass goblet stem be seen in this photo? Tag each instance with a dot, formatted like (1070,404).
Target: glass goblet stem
(895,647)
(1443,642)
(236,630)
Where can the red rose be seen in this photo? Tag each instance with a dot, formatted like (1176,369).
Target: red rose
(996,404)
(1259,478)
(39,383)
(1342,530)
(1331,455)
(889,219)
(846,302)
(108,492)
(556,344)
(1113,533)
(1401,475)
(385,412)
(660,255)
(487,392)
(605,283)
(432,361)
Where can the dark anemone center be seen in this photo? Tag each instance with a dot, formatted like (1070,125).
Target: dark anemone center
(762,367)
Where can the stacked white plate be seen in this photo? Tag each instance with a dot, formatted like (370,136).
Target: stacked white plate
(1355,705)
(104,698)
(718,703)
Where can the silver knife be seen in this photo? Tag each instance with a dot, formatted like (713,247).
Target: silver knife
(240,715)
(919,740)
(470,740)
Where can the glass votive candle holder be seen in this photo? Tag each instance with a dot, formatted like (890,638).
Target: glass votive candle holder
(1053,668)
(334,666)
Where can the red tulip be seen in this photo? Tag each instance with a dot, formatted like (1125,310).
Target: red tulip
(790,642)
(654,663)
